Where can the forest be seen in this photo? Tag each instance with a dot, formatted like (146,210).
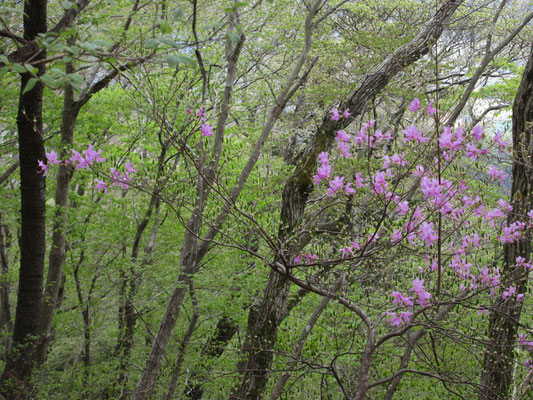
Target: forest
(266,199)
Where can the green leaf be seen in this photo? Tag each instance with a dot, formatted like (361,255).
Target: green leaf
(18,68)
(3,72)
(49,81)
(101,43)
(152,43)
(174,60)
(239,4)
(30,85)
(14,10)
(178,14)
(74,50)
(170,42)
(67,5)
(165,27)
(31,69)
(75,78)
(191,62)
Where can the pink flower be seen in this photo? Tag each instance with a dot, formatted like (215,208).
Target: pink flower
(403,208)
(322,173)
(496,173)
(359,181)
(345,251)
(419,171)
(498,140)
(52,157)
(348,189)
(398,159)
(423,298)
(297,259)
(335,115)
(431,110)
(346,113)
(412,133)
(415,105)
(405,316)
(511,291)
(43,166)
(207,130)
(309,258)
(101,185)
(477,133)
(378,182)
(323,158)
(418,285)
(92,156)
(129,168)
(426,233)
(335,185)
(343,137)
(345,149)
(471,151)
(201,113)
(401,300)
(396,235)
(77,158)
(395,320)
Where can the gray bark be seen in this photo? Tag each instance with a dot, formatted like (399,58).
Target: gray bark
(496,377)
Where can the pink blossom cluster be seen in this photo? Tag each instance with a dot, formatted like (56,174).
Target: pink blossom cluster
(437,195)
(205,128)
(121,179)
(528,345)
(85,160)
(421,297)
(415,106)
(79,161)
(309,258)
(335,116)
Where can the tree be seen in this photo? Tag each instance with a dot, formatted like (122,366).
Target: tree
(497,373)
(20,363)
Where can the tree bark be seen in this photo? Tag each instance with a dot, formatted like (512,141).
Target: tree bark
(5,306)
(57,251)
(19,366)
(264,319)
(496,377)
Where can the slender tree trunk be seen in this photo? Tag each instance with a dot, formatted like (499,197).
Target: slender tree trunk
(264,320)
(57,251)
(189,250)
(5,306)
(496,377)
(224,332)
(184,343)
(21,360)
(278,389)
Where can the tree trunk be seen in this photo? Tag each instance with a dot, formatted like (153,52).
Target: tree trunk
(264,320)
(21,360)
(5,306)
(189,250)
(497,374)
(57,251)
(224,332)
